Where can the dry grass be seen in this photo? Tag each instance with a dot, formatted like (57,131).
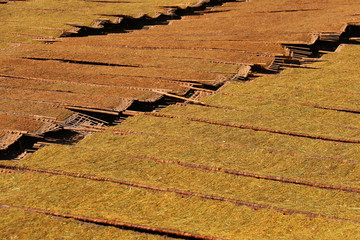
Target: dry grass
(77,79)
(96,157)
(297,118)
(272,16)
(49,18)
(180,140)
(37,226)
(108,53)
(333,84)
(105,154)
(58,70)
(34,108)
(16,122)
(139,206)
(97,100)
(244,150)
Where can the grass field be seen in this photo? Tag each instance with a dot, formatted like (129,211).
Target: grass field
(103,71)
(271,158)
(49,19)
(275,171)
(20,123)
(192,214)
(32,227)
(120,164)
(34,108)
